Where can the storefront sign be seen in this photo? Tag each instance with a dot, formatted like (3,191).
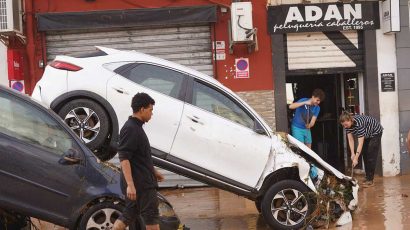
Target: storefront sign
(242,68)
(323,17)
(388,82)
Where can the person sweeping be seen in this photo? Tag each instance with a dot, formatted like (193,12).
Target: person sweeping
(369,132)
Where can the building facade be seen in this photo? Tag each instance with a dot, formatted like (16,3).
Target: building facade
(340,47)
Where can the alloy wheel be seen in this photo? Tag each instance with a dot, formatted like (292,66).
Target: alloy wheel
(289,207)
(103,219)
(84,122)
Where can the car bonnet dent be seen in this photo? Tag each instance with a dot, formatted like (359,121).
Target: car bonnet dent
(308,151)
(355,187)
(281,156)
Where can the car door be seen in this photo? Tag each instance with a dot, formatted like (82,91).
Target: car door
(217,135)
(164,85)
(34,178)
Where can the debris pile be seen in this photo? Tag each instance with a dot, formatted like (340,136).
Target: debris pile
(333,198)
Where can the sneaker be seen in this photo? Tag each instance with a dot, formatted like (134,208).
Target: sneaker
(368,184)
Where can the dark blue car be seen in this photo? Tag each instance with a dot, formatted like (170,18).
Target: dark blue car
(46,171)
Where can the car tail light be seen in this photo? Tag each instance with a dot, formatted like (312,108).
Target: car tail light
(65,66)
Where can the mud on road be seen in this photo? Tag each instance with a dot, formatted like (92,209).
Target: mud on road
(384,206)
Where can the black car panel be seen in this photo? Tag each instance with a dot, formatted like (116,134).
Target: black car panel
(46,171)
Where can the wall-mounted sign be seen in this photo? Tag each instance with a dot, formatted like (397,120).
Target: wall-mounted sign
(242,68)
(388,82)
(323,17)
(18,85)
(219,49)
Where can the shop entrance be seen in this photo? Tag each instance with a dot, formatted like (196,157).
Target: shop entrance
(341,93)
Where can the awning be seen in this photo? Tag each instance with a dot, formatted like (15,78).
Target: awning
(126,18)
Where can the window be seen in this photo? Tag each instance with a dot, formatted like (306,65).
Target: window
(160,79)
(215,102)
(25,122)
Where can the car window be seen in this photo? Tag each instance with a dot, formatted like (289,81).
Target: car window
(160,79)
(25,122)
(213,101)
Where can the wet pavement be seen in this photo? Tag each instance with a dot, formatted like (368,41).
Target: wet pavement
(384,206)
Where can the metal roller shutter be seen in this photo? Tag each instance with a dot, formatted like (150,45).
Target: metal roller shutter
(189,46)
(324,50)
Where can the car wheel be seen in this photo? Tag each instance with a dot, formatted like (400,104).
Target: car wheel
(105,154)
(88,120)
(101,216)
(287,205)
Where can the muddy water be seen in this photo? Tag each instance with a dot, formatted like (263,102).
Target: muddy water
(385,206)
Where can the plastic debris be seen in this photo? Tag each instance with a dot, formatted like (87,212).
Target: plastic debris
(345,218)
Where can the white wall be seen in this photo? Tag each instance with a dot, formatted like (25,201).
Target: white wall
(389,107)
(3,65)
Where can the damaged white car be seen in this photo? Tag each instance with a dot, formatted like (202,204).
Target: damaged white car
(304,189)
(200,129)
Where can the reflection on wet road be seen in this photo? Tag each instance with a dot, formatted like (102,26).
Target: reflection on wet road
(385,206)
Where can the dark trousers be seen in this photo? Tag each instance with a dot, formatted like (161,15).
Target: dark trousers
(145,208)
(371,151)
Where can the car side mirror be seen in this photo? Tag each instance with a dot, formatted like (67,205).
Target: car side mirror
(71,156)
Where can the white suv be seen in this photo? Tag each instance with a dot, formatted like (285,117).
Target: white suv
(200,129)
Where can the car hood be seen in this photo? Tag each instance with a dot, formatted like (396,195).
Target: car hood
(319,160)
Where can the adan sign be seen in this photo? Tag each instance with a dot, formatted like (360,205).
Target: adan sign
(323,17)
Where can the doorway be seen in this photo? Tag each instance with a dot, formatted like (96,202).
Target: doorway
(327,134)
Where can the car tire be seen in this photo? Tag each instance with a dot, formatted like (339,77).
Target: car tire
(278,208)
(95,129)
(258,204)
(105,154)
(101,216)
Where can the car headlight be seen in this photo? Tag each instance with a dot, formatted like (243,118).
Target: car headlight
(166,210)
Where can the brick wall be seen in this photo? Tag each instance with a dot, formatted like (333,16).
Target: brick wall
(263,103)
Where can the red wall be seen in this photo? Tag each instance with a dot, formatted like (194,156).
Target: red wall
(260,62)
